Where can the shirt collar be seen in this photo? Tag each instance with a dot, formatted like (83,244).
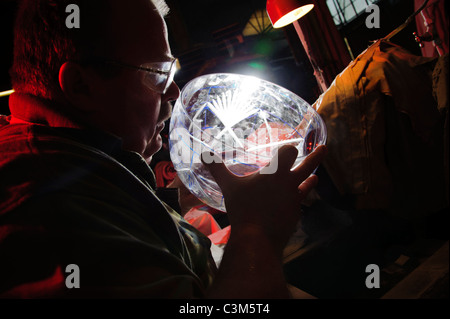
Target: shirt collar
(34,110)
(29,109)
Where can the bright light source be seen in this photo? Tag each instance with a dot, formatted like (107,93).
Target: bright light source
(293,16)
(284,12)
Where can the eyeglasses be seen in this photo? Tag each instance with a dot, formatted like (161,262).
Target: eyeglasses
(158,75)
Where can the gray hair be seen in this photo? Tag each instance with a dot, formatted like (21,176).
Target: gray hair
(162,7)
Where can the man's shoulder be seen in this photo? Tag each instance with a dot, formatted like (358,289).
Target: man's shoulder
(36,159)
(29,138)
(51,174)
(35,144)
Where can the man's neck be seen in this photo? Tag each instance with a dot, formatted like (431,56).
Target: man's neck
(27,108)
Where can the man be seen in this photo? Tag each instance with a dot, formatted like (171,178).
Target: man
(79,216)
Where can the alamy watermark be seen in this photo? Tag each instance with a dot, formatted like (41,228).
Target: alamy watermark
(73,276)
(373,19)
(258,148)
(73,19)
(373,279)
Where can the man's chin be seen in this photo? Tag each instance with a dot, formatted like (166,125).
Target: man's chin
(153,147)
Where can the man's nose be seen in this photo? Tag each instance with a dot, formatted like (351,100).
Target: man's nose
(173,92)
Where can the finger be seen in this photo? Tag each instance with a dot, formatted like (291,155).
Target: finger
(310,163)
(286,157)
(283,160)
(217,169)
(305,187)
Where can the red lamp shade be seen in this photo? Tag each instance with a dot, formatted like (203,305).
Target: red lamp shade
(284,12)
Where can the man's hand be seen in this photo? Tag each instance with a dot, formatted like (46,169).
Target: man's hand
(269,202)
(263,210)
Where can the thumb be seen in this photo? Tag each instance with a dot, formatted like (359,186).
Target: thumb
(217,169)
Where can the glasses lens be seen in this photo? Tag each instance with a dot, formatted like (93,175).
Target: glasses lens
(159,75)
(155,81)
(171,75)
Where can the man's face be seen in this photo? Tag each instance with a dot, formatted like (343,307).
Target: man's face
(130,109)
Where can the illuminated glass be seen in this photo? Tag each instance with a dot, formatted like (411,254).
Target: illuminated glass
(243,120)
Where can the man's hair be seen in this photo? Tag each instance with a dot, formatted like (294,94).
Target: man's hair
(162,7)
(43,42)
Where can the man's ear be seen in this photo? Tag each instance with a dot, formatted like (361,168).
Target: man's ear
(76,85)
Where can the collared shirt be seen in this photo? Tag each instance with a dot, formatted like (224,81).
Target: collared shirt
(70,195)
